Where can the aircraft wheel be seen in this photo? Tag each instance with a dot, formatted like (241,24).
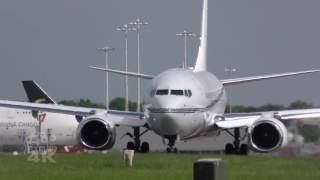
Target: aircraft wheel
(145,147)
(130,145)
(229,149)
(244,150)
(175,150)
(168,150)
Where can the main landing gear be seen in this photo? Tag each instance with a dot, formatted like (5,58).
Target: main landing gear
(136,143)
(236,148)
(172,140)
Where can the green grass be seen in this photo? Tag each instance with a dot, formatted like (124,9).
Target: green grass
(156,166)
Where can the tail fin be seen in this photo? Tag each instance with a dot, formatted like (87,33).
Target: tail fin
(36,94)
(201,62)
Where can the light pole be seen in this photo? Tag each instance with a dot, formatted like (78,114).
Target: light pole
(185,34)
(138,24)
(125,28)
(106,50)
(230,70)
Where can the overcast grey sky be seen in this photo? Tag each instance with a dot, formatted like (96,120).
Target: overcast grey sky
(53,42)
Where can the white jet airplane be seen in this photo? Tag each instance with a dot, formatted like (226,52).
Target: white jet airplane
(21,127)
(182,104)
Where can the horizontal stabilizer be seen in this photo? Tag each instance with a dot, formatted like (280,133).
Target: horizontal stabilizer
(144,76)
(265,77)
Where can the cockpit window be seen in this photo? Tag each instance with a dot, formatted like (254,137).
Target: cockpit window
(190,93)
(187,93)
(176,92)
(162,92)
(153,92)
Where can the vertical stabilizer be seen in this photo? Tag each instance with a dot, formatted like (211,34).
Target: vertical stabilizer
(201,62)
(36,94)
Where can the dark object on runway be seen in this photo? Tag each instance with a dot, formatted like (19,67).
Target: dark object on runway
(208,169)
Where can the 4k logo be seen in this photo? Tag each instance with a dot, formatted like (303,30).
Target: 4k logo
(40,148)
(42,154)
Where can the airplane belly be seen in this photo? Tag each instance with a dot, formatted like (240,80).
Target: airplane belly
(25,130)
(181,124)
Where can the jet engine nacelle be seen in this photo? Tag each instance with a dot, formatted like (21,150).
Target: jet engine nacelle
(97,133)
(267,134)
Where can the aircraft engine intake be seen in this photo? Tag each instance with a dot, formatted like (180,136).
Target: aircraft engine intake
(267,135)
(96,133)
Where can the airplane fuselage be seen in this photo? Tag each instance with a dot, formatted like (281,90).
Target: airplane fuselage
(184,103)
(18,127)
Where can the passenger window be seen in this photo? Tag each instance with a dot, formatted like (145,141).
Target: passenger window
(162,92)
(176,92)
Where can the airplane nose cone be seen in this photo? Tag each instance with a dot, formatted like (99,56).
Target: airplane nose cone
(167,102)
(168,124)
(166,121)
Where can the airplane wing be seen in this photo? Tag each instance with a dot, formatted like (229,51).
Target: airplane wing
(264,77)
(144,76)
(132,119)
(238,120)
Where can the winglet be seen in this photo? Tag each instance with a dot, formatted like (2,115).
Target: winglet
(201,62)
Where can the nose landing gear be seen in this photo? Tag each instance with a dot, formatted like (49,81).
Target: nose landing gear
(172,140)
